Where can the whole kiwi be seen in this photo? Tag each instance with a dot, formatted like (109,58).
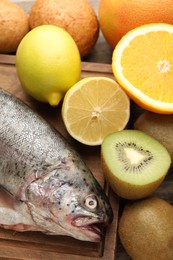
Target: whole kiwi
(158,126)
(146,229)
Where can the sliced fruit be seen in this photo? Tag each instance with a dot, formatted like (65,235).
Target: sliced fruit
(134,163)
(146,229)
(142,64)
(93,108)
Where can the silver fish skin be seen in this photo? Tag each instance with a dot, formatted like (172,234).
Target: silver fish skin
(45,185)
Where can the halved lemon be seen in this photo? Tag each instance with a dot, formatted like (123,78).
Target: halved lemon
(93,108)
(142,64)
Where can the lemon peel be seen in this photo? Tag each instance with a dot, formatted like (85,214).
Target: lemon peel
(48,63)
(55,98)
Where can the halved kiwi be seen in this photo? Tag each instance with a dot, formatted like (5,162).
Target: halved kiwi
(134,163)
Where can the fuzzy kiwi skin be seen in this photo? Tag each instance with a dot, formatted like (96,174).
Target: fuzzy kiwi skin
(146,229)
(126,190)
(158,126)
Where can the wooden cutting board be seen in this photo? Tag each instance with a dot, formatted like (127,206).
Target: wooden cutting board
(35,245)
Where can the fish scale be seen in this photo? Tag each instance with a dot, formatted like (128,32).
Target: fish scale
(49,187)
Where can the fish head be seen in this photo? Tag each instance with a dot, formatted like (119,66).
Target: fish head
(82,210)
(73,205)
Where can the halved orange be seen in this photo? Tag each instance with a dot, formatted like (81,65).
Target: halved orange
(93,108)
(142,64)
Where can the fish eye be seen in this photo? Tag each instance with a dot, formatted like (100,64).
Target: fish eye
(91,202)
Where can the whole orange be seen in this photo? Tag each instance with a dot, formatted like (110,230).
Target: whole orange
(117,17)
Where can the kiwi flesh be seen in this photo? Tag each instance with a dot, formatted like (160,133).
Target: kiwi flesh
(146,229)
(158,126)
(134,163)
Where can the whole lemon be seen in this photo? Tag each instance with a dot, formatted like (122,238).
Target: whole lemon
(48,63)
(117,17)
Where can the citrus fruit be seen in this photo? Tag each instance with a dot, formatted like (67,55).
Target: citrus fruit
(77,17)
(48,63)
(14,24)
(93,108)
(117,17)
(142,64)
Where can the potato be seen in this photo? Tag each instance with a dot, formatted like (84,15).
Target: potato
(77,17)
(14,24)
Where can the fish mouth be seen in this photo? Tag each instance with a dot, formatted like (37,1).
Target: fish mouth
(92,228)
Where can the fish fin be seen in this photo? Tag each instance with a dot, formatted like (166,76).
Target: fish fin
(14,214)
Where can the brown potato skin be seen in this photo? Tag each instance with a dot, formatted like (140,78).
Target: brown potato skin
(77,17)
(14,24)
